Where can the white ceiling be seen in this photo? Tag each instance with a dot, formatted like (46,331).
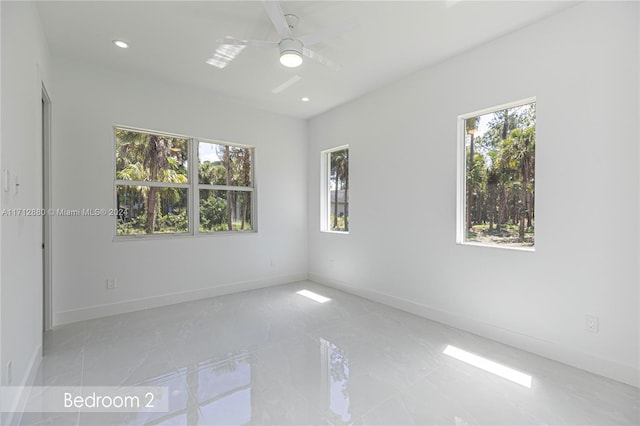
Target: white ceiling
(172,40)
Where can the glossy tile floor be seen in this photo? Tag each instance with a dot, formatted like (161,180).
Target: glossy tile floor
(271,356)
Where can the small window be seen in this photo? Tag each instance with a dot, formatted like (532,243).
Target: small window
(496,190)
(152,183)
(335,190)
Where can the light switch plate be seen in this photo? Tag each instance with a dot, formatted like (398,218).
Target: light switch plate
(5,180)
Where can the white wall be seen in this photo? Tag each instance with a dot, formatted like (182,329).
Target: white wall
(25,65)
(582,66)
(89,102)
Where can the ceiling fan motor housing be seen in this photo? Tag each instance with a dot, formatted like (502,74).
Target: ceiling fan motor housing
(290,52)
(290,45)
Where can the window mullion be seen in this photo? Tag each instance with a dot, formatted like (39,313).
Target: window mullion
(194,216)
(151,183)
(225,187)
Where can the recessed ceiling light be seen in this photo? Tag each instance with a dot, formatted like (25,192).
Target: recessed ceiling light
(120,44)
(305,99)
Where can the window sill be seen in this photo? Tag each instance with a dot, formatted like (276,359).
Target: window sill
(168,236)
(495,246)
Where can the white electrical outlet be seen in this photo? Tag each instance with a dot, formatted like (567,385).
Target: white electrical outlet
(111,284)
(9,372)
(591,323)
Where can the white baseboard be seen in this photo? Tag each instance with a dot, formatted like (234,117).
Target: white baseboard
(20,399)
(552,350)
(99,311)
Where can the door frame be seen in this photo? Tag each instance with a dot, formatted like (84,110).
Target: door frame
(47,312)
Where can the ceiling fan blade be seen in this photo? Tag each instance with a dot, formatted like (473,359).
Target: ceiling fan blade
(320,59)
(231,41)
(329,32)
(277,18)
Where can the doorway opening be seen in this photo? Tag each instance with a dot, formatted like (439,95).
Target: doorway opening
(46,205)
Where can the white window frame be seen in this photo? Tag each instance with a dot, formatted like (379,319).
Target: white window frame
(193,187)
(461,181)
(325,189)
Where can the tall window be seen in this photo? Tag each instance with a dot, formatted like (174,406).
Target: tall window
(159,192)
(496,196)
(335,190)
(225,187)
(152,183)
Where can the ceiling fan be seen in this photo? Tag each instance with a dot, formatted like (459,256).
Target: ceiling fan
(292,49)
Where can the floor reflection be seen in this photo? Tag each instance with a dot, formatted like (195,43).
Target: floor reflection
(215,391)
(335,368)
(219,391)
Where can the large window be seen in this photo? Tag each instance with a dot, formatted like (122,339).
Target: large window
(335,190)
(496,191)
(158,191)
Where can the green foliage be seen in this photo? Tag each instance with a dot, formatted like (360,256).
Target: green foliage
(211,174)
(214,209)
(340,224)
(176,222)
(506,235)
(213,213)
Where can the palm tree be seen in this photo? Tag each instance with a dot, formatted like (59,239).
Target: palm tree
(244,160)
(518,152)
(227,166)
(471,127)
(137,173)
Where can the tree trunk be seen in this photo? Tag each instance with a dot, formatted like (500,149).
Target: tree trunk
(346,198)
(469,188)
(153,174)
(528,196)
(335,204)
(151,210)
(228,180)
(491,201)
(523,201)
(502,205)
(505,125)
(246,177)
(244,209)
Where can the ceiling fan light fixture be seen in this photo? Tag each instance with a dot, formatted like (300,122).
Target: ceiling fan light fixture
(291,59)
(290,52)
